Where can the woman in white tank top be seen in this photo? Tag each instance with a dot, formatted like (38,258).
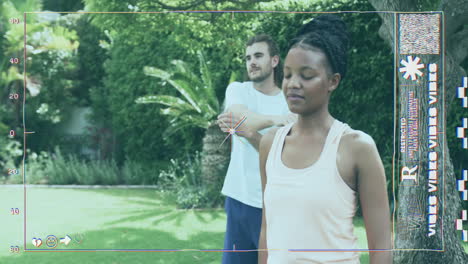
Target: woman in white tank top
(315,170)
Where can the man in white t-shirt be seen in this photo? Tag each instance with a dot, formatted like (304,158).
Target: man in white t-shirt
(263,104)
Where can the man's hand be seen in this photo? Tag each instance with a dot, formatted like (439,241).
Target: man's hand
(231,122)
(237,118)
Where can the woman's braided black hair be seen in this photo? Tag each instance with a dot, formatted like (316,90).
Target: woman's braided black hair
(329,34)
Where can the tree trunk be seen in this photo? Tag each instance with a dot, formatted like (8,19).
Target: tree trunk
(413,210)
(215,160)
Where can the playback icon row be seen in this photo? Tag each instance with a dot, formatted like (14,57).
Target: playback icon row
(52,241)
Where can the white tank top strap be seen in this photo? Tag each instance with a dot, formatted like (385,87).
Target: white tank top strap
(333,141)
(277,145)
(331,159)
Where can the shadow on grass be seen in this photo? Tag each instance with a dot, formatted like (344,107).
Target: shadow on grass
(156,215)
(128,239)
(155,206)
(150,195)
(141,214)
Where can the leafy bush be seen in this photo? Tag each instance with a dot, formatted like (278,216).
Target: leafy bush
(58,170)
(35,170)
(136,172)
(10,154)
(105,172)
(69,169)
(192,197)
(183,178)
(130,172)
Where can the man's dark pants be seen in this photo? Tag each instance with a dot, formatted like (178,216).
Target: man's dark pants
(242,232)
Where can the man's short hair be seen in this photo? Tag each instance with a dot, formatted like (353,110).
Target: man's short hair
(272,46)
(272,49)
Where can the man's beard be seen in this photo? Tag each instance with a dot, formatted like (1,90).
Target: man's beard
(262,77)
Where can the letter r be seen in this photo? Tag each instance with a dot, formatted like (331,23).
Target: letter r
(409,174)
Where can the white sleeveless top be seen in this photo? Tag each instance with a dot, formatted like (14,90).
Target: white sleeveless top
(310,208)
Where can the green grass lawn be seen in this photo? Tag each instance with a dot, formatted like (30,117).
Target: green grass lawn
(114,219)
(110,219)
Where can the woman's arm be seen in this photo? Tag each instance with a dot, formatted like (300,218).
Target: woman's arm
(265,145)
(373,198)
(262,246)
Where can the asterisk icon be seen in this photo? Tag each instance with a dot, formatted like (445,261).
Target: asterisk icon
(232,129)
(411,67)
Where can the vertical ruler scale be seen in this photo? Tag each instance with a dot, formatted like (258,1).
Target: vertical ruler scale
(419,162)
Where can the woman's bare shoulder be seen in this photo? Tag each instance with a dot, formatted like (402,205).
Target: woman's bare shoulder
(357,140)
(360,147)
(267,140)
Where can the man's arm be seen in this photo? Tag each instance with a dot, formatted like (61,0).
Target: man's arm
(373,197)
(254,121)
(264,149)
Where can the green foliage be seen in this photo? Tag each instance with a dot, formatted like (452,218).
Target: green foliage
(183,178)
(192,197)
(35,171)
(61,6)
(200,106)
(51,62)
(36,168)
(10,154)
(135,173)
(60,169)
(140,130)
(90,60)
(130,171)
(53,65)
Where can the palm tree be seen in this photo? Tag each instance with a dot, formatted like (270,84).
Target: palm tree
(199,107)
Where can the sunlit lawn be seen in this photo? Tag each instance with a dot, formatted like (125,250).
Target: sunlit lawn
(110,219)
(114,219)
